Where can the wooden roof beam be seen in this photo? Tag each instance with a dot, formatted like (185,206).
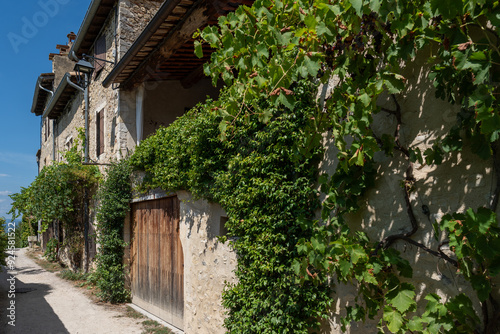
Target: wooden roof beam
(198,18)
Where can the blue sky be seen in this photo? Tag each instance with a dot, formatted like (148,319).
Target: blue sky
(29,31)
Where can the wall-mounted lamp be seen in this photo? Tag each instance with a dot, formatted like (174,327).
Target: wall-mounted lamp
(84,71)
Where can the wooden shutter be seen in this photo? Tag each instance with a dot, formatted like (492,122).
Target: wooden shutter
(99,52)
(46,129)
(99,133)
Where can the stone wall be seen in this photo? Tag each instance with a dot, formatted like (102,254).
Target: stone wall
(61,64)
(134,17)
(104,99)
(464,181)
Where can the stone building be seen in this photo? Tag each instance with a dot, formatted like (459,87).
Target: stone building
(151,76)
(146,75)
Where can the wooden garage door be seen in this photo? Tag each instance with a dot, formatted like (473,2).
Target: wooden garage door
(157,268)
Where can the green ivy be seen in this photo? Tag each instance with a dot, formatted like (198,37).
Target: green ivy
(114,197)
(263,175)
(263,50)
(23,230)
(58,193)
(51,250)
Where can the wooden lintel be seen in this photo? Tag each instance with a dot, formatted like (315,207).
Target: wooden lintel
(181,35)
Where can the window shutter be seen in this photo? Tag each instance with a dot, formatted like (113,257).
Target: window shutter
(99,52)
(101,132)
(46,129)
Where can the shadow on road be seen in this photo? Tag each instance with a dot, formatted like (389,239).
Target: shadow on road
(32,312)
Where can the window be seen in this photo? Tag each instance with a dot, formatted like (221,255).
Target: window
(99,52)
(46,128)
(69,143)
(99,134)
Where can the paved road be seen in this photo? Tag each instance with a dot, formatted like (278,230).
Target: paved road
(47,304)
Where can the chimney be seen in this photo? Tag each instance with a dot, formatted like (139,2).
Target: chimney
(60,61)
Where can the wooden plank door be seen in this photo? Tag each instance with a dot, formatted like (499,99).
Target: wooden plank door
(157,268)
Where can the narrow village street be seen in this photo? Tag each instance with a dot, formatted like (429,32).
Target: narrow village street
(45,303)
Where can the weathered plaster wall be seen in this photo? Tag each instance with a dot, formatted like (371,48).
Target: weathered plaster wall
(464,181)
(207,265)
(126,129)
(60,65)
(167,100)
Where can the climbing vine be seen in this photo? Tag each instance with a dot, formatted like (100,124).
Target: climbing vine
(114,196)
(58,193)
(360,48)
(263,176)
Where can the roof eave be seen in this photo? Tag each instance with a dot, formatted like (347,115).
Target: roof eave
(84,28)
(57,95)
(165,10)
(36,95)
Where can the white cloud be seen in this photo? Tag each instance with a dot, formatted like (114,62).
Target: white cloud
(4,175)
(5,193)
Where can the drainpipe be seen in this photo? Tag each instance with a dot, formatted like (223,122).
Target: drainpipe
(86,191)
(139,112)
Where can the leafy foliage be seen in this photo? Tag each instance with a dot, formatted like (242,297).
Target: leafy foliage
(114,196)
(475,239)
(23,230)
(51,250)
(3,240)
(262,175)
(58,193)
(361,47)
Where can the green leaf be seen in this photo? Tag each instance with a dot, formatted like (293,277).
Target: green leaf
(322,29)
(404,299)
(198,49)
(415,324)
(394,83)
(312,66)
(262,50)
(358,6)
(357,253)
(393,319)
(345,267)
(374,5)
(365,99)
(310,21)
(482,286)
